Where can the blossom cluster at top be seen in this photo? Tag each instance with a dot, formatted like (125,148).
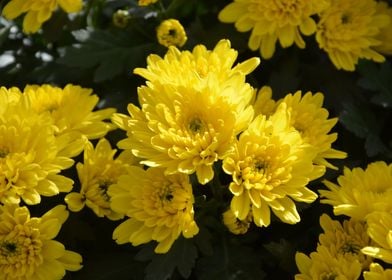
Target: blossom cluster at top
(361,244)
(348,30)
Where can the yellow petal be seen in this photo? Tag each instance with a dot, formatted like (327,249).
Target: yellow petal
(70,6)
(75,201)
(240,205)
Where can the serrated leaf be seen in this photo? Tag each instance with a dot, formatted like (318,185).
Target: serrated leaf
(181,256)
(110,53)
(230,261)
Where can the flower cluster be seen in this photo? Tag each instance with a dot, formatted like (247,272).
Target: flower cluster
(41,130)
(346,30)
(196,111)
(357,243)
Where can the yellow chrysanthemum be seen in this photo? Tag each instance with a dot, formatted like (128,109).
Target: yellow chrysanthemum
(9,97)
(385,34)
(322,265)
(72,111)
(99,171)
(270,166)
(160,207)
(360,192)
(121,18)
(377,272)
(27,248)
(38,11)
(347,31)
(169,130)
(146,2)
(171,33)
(380,230)
(272,21)
(345,239)
(29,159)
(235,225)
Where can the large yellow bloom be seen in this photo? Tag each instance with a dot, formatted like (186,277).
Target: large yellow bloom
(309,118)
(73,114)
(385,34)
(347,31)
(170,32)
(273,20)
(380,230)
(192,108)
(360,192)
(377,272)
(38,11)
(29,159)
(99,170)
(345,239)
(159,207)
(27,248)
(270,166)
(323,265)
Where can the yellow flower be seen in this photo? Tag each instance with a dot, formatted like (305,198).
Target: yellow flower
(360,192)
(99,171)
(27,248)
(146,2)
(272,21)
(270,166)
(159,207)
(345,239)
(188,121)
(38,11)
(74,123)
(29,159)
(121,18)
(380,230)
(311,120)
(235,225)
(385,34)
(322,265)
(347,31)
(171,33)
(377,272)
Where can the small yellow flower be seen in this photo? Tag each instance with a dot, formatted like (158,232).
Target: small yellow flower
(27,248)
(146,2)
(171,33)
(235,225)
(347,31)
(377,272)
(159,207)
(270,166)
(96,174)
(323,265)
(345,239)
(74,123)
(380,230)
(360,192)
(29,154)
(385,34)
(38,11)
(273,20)
(121,18)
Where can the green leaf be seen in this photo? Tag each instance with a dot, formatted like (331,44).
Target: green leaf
(377,78)
(182,256)
(230,261)
(110,53)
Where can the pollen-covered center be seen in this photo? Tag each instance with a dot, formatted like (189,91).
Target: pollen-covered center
(3,152)
(350,247)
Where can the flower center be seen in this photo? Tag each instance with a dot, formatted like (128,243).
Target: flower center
(329,276)
(350,247)
(196,125)
(173,33)
(3,152)
(345,18)
(103,189)
(8,248)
